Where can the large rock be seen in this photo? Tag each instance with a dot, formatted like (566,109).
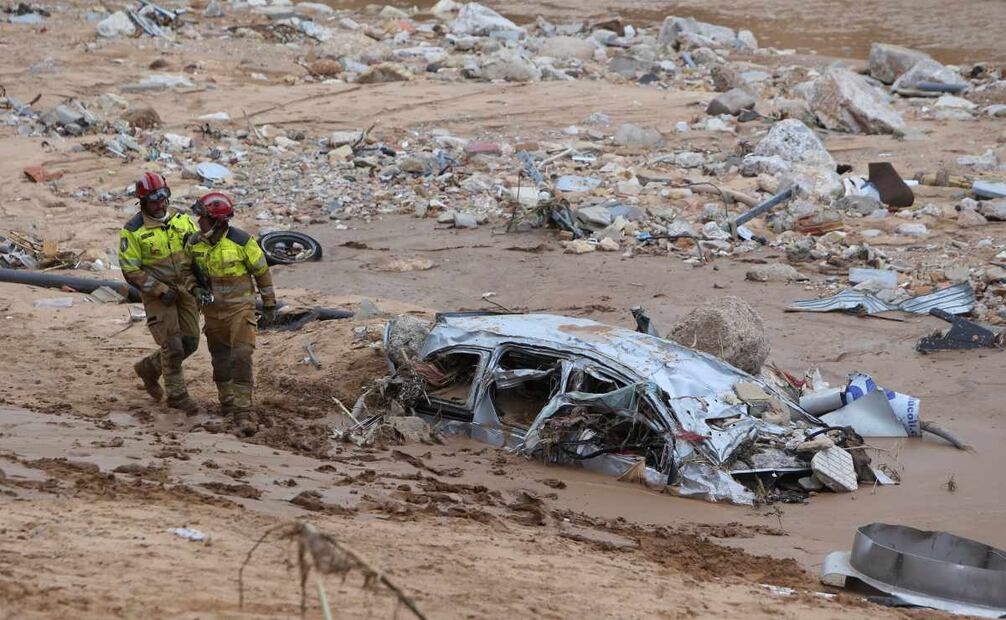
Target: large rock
(634,135)
(117,24)
(888,62)
(406,335)
(568,47)
(994,210)
(384,72)
(732,102)
(479,20)
(728,328)
(844,101)
(927,70)
(795,143)
(691,33)
(794,154)
(509,65)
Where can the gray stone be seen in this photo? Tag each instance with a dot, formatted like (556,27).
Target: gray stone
(476,19)
(633,135)
(795,143)
(732,102)
(728,328)
(927,70)
(844,101)
(746,41)
(911,229)
(629,67)
(949,107)
(969,218)
(987,161)
(383,73)
(889,62)
(411,429)
(994,210)
(594,218)
(117,24)
(510,66)
(821,442)
(810,483)
(568,47)
(339,138)
(464,219)
(773,272)
(863,205)
(673,29)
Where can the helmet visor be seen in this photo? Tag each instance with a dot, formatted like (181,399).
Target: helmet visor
(159,194)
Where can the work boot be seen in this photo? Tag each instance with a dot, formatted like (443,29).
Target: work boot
(151,379)
(185,403)
(244,423)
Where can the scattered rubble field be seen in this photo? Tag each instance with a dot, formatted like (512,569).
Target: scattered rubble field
(559,159)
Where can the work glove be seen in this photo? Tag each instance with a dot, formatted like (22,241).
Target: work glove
(269,314)
(203,297)
(169,296)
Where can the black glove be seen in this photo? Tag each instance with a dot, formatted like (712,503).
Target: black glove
(269,314)
(203,297)
(169,296)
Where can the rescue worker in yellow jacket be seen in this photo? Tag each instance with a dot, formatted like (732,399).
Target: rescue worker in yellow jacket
(153,259)
(233,266)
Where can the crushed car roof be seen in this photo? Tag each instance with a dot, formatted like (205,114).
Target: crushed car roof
(676,369)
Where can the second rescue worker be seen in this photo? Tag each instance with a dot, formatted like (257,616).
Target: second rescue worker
(234,265)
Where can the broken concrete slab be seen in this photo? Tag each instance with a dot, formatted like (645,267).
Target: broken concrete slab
(889,62)
(844,101)
(732,102)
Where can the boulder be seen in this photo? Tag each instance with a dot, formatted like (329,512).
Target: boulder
(406,335)
(476,19)
(509,65)
(117,24)
(795,143)
(384,72)
(732,102)
(689,32)
(888,62)
(844,101)
(793,154)
(634,135)
(927,70)
(729,329)
(994,210)
(773,272)
(568,47)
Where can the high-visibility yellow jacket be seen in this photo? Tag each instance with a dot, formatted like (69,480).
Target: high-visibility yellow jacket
(152,253)
(230,265)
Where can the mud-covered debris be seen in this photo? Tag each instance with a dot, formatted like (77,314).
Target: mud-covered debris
(406,334)
(728,328)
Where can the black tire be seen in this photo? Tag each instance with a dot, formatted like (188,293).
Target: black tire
(286,248)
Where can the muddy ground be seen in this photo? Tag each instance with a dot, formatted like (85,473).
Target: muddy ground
(92,473)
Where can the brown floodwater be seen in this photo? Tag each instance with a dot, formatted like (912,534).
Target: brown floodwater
(958,31)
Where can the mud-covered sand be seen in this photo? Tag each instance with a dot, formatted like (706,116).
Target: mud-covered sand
(93,472)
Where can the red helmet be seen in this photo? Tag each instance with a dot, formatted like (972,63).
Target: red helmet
(215,205)
(152,186)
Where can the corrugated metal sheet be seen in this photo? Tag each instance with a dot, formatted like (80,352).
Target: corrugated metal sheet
(956,299)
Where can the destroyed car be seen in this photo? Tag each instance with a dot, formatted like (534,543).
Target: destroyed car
(571,390)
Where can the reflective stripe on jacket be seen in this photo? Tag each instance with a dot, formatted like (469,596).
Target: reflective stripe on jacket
(152,253)
(231,264)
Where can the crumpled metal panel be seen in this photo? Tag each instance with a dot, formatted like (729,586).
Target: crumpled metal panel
(689,389)
(956,299)
(929,569)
